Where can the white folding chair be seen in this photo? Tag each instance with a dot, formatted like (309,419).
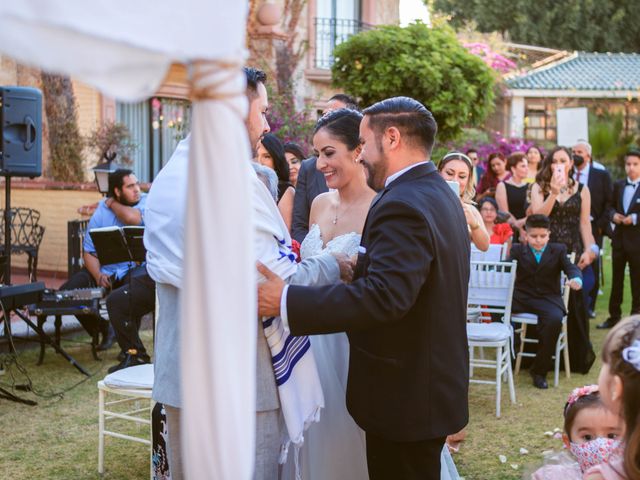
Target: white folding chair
(133,387)
(562,344)
(491,291)
(495,253)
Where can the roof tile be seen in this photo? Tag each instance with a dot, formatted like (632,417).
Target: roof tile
(584,71)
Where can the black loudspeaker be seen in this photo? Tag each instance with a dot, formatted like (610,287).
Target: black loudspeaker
(21,132)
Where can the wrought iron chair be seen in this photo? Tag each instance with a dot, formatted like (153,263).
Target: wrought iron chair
(26,236)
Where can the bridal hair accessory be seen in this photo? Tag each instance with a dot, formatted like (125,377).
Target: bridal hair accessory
(580,392)
(631,354)
(458,154)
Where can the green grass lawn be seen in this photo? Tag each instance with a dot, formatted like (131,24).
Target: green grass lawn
(536,411)
(58,438)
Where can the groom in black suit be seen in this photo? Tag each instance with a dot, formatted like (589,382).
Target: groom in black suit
(405,312)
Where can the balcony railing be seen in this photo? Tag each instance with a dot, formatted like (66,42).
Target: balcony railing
(331,32)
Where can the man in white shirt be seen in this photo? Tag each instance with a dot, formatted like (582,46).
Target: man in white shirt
(164,240)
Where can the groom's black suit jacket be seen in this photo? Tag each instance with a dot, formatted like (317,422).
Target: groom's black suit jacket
(404,313)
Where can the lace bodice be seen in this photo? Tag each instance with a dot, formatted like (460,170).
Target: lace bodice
(565,223)
(314,245)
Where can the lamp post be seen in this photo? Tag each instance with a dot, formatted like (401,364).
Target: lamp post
(102,171)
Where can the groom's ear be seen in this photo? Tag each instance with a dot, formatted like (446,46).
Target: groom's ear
(392,137)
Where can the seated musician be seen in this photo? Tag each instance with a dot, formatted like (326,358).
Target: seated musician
(124,205)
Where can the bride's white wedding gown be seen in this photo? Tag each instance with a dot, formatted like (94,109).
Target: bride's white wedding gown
(335,448)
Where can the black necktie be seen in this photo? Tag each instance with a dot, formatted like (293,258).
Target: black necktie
(629,184)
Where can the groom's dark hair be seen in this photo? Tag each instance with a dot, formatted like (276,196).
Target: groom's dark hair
(415,123)
(254,77)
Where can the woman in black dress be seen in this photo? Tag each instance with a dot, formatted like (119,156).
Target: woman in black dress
(511,194)
(567,203)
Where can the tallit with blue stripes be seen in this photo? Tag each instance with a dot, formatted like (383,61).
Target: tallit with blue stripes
(293,363)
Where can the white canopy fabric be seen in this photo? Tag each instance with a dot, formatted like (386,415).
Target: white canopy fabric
(121,47)
(124,49)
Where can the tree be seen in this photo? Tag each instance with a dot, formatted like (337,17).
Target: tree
(588,25)
(64,135)
(112,138)
(428,64)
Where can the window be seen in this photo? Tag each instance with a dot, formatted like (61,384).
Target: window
(540,121)
(156,126)
(336,21)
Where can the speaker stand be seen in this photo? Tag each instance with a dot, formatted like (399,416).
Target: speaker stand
(7,230)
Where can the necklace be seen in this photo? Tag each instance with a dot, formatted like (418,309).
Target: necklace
(335,217)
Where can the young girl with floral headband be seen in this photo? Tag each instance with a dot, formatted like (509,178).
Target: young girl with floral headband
(619,384)
(591,435)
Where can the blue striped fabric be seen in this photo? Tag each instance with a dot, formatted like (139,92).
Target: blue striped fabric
(286,359)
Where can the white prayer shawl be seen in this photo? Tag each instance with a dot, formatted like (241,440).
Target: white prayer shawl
(124,48)
(295,369)
(165,241)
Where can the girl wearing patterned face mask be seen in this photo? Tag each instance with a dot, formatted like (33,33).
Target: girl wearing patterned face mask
(592,435)
(619,384)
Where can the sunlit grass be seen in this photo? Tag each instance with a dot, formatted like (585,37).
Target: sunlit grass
(58,438)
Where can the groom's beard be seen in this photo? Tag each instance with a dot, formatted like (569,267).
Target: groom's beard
(376,173)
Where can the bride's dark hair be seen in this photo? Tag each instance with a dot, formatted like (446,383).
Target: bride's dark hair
(343,124)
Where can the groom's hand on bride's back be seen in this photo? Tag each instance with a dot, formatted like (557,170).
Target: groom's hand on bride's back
(346,265)
(269,292)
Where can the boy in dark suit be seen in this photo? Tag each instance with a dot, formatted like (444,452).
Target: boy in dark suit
(538,290)
(625,241)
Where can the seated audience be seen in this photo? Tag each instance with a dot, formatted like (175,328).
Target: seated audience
(538,290)
(499,233)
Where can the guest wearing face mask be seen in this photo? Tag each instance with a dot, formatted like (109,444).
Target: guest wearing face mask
(596,177)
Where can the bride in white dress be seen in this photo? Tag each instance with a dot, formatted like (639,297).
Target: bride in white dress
(334,448)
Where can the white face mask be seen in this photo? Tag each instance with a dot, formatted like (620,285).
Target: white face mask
(594,452)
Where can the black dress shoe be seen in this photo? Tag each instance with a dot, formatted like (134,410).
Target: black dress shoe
(608,323)
(131,359)
(539,381)
(108,337)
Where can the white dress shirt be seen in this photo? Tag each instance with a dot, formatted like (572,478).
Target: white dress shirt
(582,176)
(627,196)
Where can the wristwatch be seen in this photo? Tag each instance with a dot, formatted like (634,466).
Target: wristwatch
(595,249)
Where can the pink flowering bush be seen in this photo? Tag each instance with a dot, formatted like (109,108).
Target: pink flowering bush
(493,59)
(495,142)
(289,124)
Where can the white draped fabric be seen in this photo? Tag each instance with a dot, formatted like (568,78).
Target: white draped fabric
(124,48)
